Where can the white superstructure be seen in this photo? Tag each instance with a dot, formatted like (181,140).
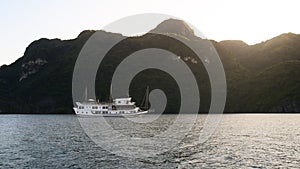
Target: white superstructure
(118,107)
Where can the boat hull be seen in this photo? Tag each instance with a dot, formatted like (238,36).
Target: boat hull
(113,115)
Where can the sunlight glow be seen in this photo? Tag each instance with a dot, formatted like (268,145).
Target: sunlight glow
(252,21)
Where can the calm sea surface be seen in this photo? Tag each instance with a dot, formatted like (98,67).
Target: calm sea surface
(240,141)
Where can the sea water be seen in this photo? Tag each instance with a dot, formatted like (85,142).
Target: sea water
(240,141)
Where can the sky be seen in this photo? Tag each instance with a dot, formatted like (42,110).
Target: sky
(252,21)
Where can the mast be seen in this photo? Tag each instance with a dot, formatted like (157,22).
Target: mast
(110,94)
(147,98)
(145,102)
(86,93)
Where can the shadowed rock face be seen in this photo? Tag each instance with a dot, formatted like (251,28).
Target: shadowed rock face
(31,67)
(260,78)
(288,105)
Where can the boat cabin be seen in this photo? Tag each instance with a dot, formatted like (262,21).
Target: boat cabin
(123,101)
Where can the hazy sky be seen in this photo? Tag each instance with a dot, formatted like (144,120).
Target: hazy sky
(252,21)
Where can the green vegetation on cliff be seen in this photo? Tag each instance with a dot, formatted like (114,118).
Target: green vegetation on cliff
(260,78)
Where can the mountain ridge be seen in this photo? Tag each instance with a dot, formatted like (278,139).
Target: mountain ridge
(40,81)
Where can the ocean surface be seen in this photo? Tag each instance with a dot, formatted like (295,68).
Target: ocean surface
(240,141)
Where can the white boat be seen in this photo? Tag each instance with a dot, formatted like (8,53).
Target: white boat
(118,107)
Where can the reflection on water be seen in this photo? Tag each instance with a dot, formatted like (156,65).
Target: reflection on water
(241,141)
(126,138)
